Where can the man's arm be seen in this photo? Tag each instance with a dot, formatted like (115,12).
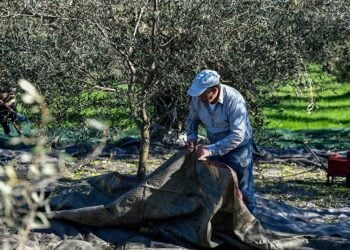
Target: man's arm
(192,124)
(6,106)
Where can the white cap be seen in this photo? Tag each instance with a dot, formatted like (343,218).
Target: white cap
(205,79)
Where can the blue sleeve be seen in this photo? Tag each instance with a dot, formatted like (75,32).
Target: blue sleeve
(192,122)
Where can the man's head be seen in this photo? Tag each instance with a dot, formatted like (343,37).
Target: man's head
(206,86)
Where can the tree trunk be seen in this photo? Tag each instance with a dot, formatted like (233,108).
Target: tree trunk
(144,127)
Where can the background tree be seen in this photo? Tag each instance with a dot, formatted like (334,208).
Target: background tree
(149,51)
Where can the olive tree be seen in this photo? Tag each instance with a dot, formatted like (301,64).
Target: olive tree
(148,51)
(162,44)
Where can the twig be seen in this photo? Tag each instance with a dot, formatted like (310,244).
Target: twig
(104,88)
(315,156)
(139,19)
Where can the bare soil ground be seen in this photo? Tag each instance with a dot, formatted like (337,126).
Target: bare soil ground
(300,186)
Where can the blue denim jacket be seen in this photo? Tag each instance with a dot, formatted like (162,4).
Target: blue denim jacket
(227,124)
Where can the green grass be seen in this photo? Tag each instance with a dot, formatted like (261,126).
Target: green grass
(318,101)
(314,110)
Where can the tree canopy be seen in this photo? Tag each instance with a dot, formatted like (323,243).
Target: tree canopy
(143,54)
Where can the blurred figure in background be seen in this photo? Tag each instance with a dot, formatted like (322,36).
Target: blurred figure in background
(8,112)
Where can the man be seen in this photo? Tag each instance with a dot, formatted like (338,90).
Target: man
(8,112)
(222,110)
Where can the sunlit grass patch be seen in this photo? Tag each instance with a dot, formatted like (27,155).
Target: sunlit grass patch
(319,102)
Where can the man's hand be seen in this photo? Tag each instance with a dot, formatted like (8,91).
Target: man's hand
(202,152)
(191,145)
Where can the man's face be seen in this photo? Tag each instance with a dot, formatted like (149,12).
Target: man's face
(209,95)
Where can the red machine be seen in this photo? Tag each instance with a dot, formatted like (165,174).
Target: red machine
(339,166)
